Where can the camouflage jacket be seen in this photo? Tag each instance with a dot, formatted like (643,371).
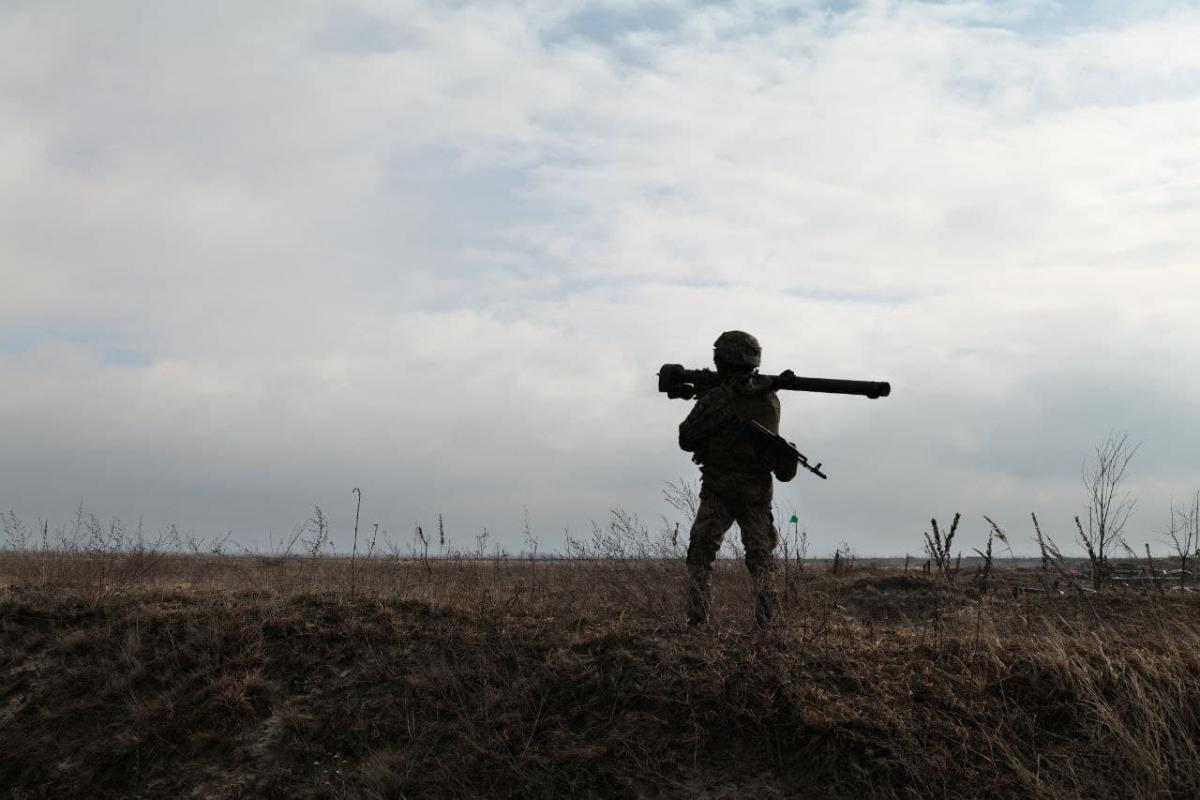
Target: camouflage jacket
(712,431)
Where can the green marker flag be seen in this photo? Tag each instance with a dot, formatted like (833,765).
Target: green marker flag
(794,520)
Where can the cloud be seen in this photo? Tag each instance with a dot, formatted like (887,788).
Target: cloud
(254,257)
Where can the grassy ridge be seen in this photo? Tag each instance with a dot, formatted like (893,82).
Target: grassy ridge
(529,679)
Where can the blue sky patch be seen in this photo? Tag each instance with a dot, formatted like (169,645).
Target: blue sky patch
(104,344)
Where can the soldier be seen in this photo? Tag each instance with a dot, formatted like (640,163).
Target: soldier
(735,482)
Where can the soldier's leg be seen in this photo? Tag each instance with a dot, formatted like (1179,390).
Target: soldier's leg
(759,538)
(713,518)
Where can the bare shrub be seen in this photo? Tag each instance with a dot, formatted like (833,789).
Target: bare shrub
(984,572)
(939,548)
(684,497)
(1184,534)
(317,533)
(1108,503)
(354,547)
(1053,560)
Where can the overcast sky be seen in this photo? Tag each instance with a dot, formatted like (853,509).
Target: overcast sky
(255,254)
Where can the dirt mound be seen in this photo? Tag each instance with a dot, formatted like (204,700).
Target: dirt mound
(902,582)
(229,695)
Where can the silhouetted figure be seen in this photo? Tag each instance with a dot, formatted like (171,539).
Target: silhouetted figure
(735,483)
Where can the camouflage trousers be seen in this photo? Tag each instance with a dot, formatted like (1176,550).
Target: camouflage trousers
(724,500)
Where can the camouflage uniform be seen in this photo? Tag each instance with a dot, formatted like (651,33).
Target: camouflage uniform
(735,484)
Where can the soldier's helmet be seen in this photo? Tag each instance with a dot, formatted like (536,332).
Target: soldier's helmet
(737,349)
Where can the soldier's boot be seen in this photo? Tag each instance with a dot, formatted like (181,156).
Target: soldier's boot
(698,595)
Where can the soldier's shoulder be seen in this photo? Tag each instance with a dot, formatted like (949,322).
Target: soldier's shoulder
(754,386)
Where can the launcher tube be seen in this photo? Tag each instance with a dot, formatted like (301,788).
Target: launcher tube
(795,383)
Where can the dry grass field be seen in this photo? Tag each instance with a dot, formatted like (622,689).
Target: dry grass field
(145,674)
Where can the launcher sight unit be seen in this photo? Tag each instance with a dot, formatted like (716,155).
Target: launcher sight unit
(683,384)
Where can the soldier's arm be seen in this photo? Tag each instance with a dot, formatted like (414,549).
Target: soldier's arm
(772,421)
(784,464)
(711,412)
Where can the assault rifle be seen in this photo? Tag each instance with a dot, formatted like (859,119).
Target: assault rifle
(679,383)
(763,436)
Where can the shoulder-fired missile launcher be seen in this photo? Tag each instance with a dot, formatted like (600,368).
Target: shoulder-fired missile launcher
(676,382)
